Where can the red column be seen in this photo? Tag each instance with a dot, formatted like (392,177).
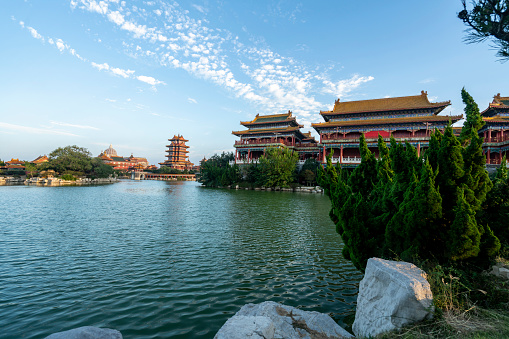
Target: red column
(341,155)
(323,160)
(502,135)
(419,149)
(488,157)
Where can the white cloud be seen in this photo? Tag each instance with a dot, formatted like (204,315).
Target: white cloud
(100,67)
(150,80)
(269,81)
(60,45)
(34,33)
(34,130)
(65,124)
(199,8)
(122,72)
(191,100)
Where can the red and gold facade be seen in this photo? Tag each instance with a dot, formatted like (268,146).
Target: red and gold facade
(410,118)
(177,157)
(496,130)
(276,130)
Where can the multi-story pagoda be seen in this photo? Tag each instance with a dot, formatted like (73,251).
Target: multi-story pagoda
(177,157)
(410,118)
(276,130)
(496,129)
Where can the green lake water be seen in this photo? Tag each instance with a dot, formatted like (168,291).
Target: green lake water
(157,259)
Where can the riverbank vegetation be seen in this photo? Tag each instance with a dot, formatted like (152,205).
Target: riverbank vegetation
(440,211)
(68,163)
(276,168)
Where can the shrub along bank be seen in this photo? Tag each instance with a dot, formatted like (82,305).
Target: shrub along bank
(276,168)
(440,211)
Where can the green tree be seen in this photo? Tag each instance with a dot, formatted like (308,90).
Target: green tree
(308,172)
(488,20)
(428,208)
(278,166)
(70,159)
(100,169)
(216,171)
(30,169)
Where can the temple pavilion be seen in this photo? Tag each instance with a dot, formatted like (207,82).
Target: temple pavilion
(276,130)
(496,129)
(177,157)
(409,118)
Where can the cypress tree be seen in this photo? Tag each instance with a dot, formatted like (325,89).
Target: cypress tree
(474,120)
(464,234)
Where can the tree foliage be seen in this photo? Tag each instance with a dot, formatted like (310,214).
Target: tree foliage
(278,166)
(76,161)
(217,171)
(427,208)
(488,19)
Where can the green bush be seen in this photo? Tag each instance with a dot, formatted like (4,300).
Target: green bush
(416,209)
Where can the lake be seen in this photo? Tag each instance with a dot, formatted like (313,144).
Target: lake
(157,259)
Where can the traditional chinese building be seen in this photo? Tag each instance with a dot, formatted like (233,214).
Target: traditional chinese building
(410,118)
(276,130)
(496,129)
(40,159)
(177,157)
(15,164)
(110,157)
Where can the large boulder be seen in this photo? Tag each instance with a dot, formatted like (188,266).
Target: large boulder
(87,332)
(272,320)
(392,294)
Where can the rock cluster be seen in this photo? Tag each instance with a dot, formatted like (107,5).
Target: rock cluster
(500,270)
(87,332)
(392,294)
(272,320)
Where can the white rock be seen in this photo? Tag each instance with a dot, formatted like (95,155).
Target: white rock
(272,320)
(87,332)
(392,294)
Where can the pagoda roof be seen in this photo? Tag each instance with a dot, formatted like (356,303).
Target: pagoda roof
(272,118)
(15,162)
(267,130)
(386,104)
(498,102)
(496,118)
(40,159)
(423,119)
(178,138)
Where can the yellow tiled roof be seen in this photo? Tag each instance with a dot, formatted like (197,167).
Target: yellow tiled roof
(267,130)
(424,119)
(262,119)
(385,104)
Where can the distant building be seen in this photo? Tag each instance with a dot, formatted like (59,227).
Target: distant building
(177,157)
(276,130)
(410,118)
(15,164)
(496,129)
(40,159)
(110,157)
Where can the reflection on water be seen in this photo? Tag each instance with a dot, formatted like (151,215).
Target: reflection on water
(157,259)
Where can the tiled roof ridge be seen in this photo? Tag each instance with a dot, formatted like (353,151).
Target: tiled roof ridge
(389,120)
(288,116)
(385,104)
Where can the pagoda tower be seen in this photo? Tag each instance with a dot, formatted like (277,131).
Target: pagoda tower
(177,157)
(496,130)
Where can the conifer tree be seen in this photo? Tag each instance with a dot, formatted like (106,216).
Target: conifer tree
(473,122)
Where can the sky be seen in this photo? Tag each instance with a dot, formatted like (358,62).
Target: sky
(135,73)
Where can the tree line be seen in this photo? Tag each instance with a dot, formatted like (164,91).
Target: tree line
(441,207)
(277,167)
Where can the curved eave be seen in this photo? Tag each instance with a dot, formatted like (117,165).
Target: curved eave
(254,123)
(264,131)
(439,107)
(355,123)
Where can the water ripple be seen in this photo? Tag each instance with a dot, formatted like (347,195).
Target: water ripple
(155,259)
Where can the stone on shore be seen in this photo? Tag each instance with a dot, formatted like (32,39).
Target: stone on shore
(272,320)
(87,332)
(392,294)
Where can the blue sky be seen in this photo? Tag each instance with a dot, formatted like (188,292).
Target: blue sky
(135,73)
